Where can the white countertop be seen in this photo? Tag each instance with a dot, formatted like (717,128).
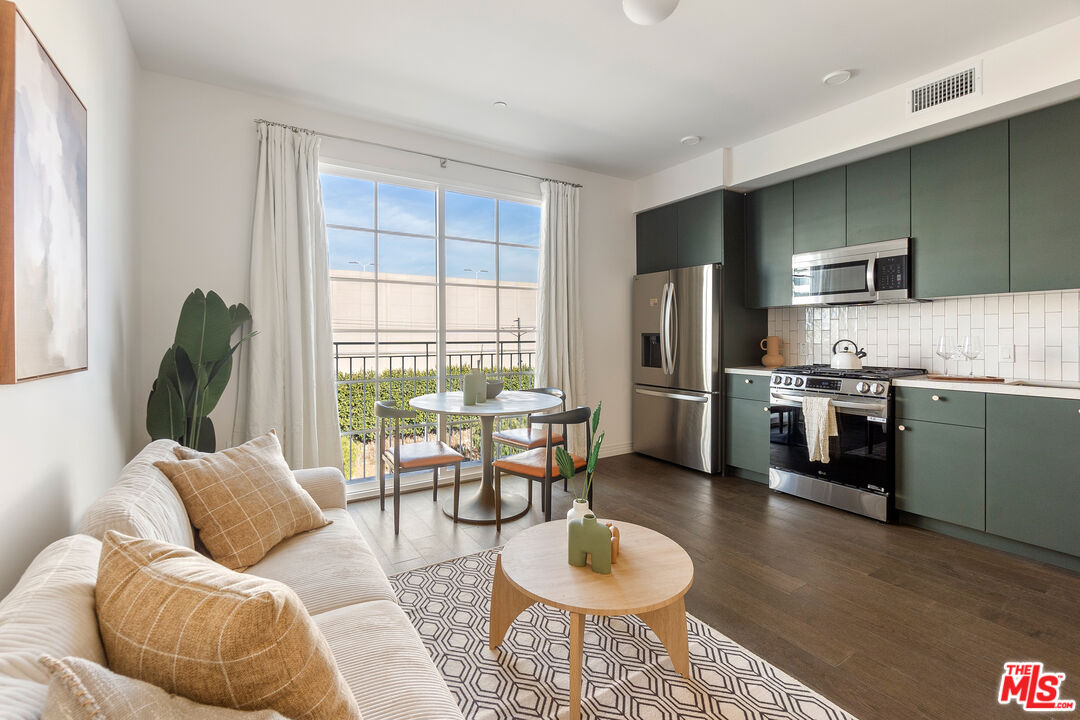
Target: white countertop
(1066,391)
(1060,390)
(749,370)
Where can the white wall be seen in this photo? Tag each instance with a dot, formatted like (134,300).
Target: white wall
(196,168)
(1039,70)
(63,440)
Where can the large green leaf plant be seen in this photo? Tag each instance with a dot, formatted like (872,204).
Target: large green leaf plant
(566,463)
(195,371)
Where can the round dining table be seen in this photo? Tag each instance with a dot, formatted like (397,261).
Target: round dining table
(480,508)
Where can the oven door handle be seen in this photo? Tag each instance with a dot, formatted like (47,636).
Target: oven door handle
(796,401)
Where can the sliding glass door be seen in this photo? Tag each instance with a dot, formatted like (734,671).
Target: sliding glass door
(426,282)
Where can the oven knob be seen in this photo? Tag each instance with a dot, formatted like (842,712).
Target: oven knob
(863,387)
(798,382)
(777,380)
(787,381)
(877,388)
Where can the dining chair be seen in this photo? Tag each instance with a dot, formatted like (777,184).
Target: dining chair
(529,437)
(539,463)
(411,456)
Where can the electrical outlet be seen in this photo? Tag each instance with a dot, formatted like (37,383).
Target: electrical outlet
(1005,352)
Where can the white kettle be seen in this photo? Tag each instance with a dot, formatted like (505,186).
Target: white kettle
(847,358)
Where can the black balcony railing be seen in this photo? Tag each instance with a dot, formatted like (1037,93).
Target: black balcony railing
(402,370)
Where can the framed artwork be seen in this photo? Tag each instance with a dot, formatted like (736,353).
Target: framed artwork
(43,314)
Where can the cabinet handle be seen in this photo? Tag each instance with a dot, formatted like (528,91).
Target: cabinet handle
(901,428)
(935,398)
(766,408)
(748,381)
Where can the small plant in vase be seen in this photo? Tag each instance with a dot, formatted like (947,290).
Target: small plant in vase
(566,466)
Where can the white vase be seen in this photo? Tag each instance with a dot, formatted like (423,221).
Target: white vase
(579,509)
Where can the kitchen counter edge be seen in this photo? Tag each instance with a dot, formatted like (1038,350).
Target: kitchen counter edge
(749,370)
(994,388)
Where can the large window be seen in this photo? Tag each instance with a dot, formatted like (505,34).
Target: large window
(426,281)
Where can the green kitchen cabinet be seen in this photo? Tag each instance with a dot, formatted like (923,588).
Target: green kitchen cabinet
(820,210)
(1044,199)
(657,240)
(770,239)
(747,434)
(879,198)
(701,230)
(940,472)
(1033,470)
(960,213)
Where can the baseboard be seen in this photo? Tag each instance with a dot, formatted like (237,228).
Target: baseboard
(608,450)
(1031,552)
(746,475)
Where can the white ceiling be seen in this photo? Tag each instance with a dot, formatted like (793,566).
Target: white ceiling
(586,87)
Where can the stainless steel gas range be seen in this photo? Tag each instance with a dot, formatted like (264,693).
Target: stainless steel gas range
(859,476)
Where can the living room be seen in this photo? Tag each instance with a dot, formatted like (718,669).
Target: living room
(491,183)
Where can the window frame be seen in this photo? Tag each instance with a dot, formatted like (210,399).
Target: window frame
(440,187)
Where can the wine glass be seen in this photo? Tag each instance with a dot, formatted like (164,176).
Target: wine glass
(972,349)
(945,351)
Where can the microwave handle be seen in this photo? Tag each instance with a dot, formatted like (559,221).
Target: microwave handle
(871,273)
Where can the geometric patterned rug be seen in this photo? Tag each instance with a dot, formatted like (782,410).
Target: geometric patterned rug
(626,671)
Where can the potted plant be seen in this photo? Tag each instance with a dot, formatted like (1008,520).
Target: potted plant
(195,371)
(566,467)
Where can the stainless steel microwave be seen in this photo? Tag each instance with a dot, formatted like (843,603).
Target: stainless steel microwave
(874,272)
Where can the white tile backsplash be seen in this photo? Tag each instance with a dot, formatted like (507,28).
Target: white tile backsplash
(1042,329)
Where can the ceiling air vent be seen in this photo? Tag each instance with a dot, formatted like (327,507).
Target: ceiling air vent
(954,86)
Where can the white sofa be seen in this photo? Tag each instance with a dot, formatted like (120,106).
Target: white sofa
(332,569)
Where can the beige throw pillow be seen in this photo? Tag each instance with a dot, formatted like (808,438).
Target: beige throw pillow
(243,501)
(178,620)
(83,690)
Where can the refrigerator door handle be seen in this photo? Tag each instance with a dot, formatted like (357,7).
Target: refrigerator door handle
(665,318)
(672,395)
(673,340)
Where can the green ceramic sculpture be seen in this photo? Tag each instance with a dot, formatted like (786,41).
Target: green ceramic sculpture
(588,537)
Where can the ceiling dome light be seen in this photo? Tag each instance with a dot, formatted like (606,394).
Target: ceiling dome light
(500,104)
(836,77)
(648,12)
(691,140)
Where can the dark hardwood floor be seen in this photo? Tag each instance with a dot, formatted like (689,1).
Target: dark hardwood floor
(888,621)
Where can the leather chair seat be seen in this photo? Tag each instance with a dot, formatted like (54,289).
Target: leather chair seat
(527,438)
(533,463)
(425,454)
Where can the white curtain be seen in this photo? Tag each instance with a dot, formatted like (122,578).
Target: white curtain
(288,376)
(560,353)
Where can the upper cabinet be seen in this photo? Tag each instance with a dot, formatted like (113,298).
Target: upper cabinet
(657,232)
(1044,198)
(701,230)
(879,198)
(770,244)
(820,210)
(960,213)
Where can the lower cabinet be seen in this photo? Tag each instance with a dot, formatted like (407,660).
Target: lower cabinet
(940,472)
(747,434)
(1033,470)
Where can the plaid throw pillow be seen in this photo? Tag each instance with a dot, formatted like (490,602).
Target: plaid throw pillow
(243,501)
(173,618)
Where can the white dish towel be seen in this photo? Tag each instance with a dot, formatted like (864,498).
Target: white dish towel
(820,417)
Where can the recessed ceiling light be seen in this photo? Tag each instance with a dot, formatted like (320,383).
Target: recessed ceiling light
(691,140)
(836,77)
(500,104)
(648,12)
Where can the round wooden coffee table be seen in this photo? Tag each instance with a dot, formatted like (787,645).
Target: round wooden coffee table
(649,580)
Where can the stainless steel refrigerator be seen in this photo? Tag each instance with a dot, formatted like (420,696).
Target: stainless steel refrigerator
(677,375)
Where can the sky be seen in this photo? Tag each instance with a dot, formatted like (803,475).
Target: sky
(351,201)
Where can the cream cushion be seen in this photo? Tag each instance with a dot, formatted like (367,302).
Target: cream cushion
(50,610)
(327,568)
(171,617)
(386,663)
(83,690)
(243,500)
(142,503)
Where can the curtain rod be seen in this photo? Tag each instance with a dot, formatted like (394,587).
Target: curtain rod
(441,158)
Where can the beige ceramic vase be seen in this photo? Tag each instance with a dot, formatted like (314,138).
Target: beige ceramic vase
(772,357)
